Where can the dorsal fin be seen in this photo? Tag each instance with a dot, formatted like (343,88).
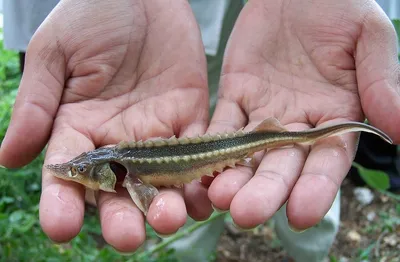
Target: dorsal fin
(173,140)
(270,124)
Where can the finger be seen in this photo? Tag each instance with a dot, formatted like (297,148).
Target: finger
(326,166)
(167,212)
(378,72)
(226,185)
(36,103)
(228,117)
(197,203)
(61,208)
(122,222)
(271,185)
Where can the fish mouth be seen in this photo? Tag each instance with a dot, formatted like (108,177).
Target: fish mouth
(60,170)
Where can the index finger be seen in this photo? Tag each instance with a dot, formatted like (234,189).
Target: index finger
(36,104)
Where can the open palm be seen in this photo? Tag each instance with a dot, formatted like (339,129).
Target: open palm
(103,73)
(307,64)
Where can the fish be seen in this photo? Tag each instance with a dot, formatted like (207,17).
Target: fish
(166,162)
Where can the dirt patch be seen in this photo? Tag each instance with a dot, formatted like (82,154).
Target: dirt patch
(371,232)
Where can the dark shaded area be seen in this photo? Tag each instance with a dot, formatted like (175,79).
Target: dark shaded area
(21,61)
(119,171)
(374,153)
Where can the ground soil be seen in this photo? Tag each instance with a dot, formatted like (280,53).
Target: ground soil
(361,230)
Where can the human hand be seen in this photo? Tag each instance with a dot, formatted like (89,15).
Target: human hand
(308,64)
(96,73)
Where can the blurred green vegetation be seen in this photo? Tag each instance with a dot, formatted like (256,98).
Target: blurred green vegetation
(21,237)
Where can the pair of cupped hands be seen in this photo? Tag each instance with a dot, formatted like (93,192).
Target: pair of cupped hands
(98,72)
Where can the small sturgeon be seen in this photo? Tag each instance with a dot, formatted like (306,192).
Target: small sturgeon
(175,161)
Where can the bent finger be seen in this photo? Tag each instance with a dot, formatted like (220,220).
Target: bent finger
(122,222)
(198,205)
(62,202)
(378,72)
(36,104)
(228,117)
(167,212)
(326,166)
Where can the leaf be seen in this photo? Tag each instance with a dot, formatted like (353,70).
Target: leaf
(365,253)
(376,179)
(396,24)
(27,224)
(7,200)
(4,201)
(16,216)
(332,258)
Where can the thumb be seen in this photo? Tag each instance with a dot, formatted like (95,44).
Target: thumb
(378,72)
(37,100)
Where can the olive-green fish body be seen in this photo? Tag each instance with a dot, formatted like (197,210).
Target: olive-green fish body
(175,161)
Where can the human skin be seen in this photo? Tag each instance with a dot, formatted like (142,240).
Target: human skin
(308,64)
(97,73)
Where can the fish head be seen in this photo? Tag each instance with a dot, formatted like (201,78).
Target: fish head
(96,175)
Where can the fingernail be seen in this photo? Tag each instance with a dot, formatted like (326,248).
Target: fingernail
(125,253)
(137,250)
(216,209)
(56,242)
(163,235)
(242,229)
(295,230)
(3,167)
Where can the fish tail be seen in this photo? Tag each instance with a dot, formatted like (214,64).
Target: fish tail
(310,136)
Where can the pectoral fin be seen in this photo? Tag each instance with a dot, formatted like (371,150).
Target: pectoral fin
(141,194)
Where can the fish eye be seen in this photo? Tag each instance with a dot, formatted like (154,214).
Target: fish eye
(75,170)
(81,168)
